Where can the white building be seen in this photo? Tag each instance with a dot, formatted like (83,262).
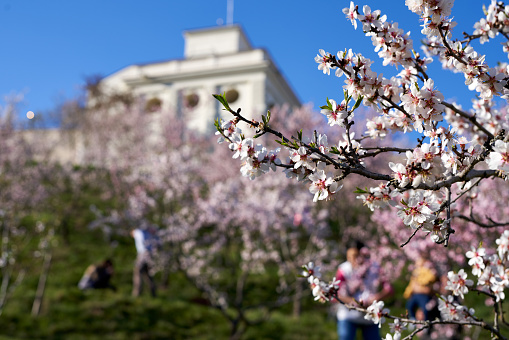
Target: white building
(216,60)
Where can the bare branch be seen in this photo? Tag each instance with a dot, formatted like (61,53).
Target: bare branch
(411,236)
(481,224)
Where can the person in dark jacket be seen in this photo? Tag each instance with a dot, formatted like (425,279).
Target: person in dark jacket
(97,276)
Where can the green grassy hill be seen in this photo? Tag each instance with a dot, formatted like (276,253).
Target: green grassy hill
(178,312)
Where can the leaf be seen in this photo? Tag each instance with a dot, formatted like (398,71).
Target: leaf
(360,191)
(222,99)
(358,103)
(217,124)
(335,150)
(282,142)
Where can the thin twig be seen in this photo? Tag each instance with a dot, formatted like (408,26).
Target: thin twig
(411,236)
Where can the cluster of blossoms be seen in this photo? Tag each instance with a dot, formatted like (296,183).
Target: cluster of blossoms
(478,75)
(451,310)
(324,292)
(492,274)
(435,14)
(460,57)
(376,197)
(425,105)
(492,271)
(458,283)
(397,327)
(321,290)
(376,313)
(420,210)
(499,158)
(496,21)
(301,163)
(257,160)
(336,114)
(392,44)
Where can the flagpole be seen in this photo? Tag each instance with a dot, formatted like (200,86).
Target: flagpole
(229,12)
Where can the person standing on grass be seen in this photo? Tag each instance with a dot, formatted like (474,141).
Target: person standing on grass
(359,283)
(145,241)
(420,291)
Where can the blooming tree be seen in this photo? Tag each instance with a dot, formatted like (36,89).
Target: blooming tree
(234,240)
(457,149)
(26,192)
(237,249)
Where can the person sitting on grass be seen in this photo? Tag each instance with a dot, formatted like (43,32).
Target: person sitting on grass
(97,276)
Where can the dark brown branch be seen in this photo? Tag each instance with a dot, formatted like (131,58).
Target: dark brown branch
(468,38)
(469,118)
(481,224)
(462,177)
(443,205)
(411,236)
(449,48)
(382,150)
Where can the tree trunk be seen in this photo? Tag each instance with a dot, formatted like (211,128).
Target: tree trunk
(3,290)
(36,307)
(297,300)
(237,330)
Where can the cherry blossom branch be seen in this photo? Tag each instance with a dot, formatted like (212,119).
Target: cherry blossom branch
(428,323)
(415,331)
(462,193)
(469,118)
(481,224)
(469,38)
(449,229)
(356,77)
(421,70)
(380,150)
(460,178)
(449,48)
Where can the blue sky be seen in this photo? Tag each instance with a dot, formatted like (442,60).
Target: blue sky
(49,47)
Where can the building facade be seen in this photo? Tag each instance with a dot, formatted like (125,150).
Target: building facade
(216,60)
